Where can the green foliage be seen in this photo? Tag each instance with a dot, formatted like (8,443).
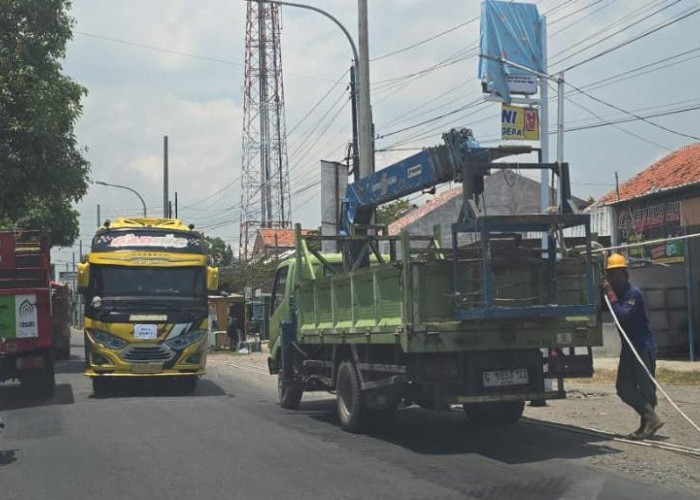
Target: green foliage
(219,253)
(257,274)
(389,212)
(42,168)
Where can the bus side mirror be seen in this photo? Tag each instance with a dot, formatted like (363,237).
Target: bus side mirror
(83,276)
(212,279)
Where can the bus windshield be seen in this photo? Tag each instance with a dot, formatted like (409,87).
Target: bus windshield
(114,281)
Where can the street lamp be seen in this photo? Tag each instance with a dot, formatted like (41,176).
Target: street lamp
(128,189)
(362,139)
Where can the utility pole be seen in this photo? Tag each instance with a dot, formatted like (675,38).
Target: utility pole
(98,216)
(176,204)
(355,142)
(365,110)
(165,176)
(544,129)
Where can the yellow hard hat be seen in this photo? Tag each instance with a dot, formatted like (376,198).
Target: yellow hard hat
(616,261)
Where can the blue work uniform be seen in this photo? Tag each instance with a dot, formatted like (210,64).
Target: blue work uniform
(633,385)
(632,315)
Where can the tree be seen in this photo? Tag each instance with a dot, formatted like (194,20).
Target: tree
(220,254)
(389,212)
(258,273)
(42,168)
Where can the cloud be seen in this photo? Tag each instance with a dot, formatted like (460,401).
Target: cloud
(137,95)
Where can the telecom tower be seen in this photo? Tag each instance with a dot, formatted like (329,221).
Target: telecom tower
(265,194)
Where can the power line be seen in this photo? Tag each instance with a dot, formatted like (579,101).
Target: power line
(644,117)
(159,49)
(318,102)
(429,39)
(639,117)
(606,122)
(179,53)
(636,38)
(430,120)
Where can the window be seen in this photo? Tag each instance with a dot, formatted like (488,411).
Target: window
(114,281)
(279,287)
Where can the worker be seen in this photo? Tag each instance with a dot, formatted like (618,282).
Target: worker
(633,385)
(234,334)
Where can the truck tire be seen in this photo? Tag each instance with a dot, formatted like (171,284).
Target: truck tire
(352,409)
(100,386)
(41,383)
(289,394)
(499,412)
(188,385)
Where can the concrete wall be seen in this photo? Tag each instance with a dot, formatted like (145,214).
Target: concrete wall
(665,300)
(505,193)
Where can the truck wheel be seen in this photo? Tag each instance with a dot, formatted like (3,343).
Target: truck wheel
(41,383)
(289,394)
(188,384)
(352,408)
(99,386)
(499,412)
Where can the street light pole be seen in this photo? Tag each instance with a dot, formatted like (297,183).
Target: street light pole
(359,81)
(128,189)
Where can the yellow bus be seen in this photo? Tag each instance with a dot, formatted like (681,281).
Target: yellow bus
(145,284)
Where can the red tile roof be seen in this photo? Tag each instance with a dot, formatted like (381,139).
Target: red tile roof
(676,169)
(399,224)
(285,237)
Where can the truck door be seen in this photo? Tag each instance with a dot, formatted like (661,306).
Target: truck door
(279,310)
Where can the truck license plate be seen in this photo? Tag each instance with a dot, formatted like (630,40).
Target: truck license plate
(143,368)
(503,378)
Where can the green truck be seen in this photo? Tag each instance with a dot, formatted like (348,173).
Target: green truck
(488,324)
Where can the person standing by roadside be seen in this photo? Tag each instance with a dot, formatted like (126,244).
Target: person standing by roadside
(233,333)
(633,384)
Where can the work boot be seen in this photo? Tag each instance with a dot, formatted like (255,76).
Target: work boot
(637,434)
(653,424)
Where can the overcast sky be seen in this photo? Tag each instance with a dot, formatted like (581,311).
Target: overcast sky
(136,59)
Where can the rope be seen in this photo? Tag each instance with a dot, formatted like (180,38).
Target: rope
(646,370)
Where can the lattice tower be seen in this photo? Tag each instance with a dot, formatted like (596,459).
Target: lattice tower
(265,193)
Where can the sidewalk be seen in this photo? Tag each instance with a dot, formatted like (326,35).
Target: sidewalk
(610,363)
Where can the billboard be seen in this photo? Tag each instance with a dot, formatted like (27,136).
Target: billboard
(512,31)
(519,123)
(640,223)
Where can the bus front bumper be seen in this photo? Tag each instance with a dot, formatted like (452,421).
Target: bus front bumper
(144,360)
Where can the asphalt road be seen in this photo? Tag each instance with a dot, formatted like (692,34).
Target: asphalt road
(231,440)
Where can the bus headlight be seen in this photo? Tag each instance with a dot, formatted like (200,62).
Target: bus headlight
(185,339)
(108,340)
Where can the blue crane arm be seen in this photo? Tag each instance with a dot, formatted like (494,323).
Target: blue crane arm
(460,158)
(421,171)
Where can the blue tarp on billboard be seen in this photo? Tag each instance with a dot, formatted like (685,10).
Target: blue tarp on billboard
(512,31)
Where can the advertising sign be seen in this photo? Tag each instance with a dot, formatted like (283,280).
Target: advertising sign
(519,124)
(521,83)
(512,31)
(18,317)
(7,316)
(636,224)
(26,317)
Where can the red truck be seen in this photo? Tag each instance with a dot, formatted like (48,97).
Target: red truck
(26,336)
